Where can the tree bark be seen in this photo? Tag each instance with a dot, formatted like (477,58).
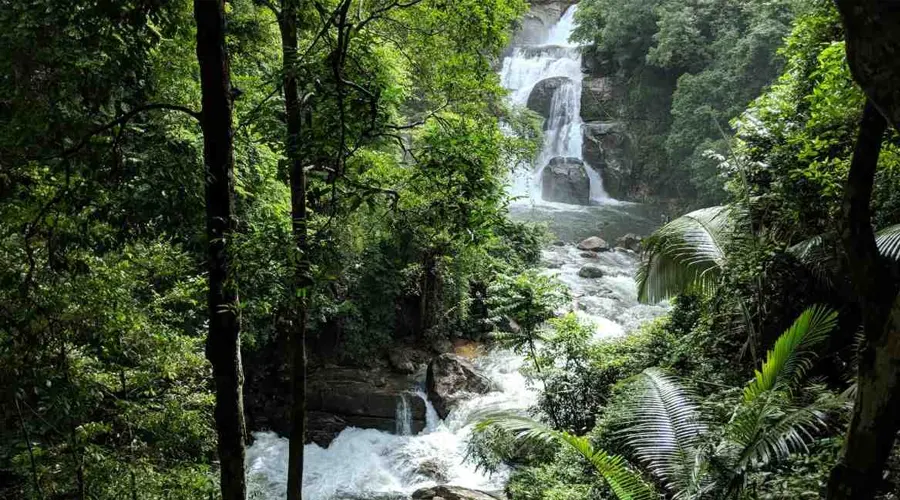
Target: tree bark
(288,24)
(873,427)
(223,343)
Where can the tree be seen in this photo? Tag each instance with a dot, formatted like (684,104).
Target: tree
(288,23)
(873,41)
(224,341)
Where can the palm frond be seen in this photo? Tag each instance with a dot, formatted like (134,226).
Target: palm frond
(819,257)
(666,428)
(888,242)
(685,254)
(625,483)
(770,428)
(792,354)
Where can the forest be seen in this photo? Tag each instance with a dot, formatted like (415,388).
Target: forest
(449,250)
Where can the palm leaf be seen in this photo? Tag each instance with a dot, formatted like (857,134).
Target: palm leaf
(625,483)
(685,254)
(888,242)
(666,429)
(792,356)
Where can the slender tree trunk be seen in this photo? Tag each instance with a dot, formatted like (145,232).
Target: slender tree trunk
(289,23)
(874,424)
(223,343)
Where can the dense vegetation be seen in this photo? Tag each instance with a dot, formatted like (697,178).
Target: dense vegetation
(684,70)
(106,392)
(668,409)
(330,175)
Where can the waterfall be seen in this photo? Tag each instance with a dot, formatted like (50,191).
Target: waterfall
(404,417)
(525,68)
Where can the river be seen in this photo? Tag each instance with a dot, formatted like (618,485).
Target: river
(369,464)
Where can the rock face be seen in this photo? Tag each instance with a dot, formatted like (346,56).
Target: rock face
(594,244)
(590,271)
(541,98)
(538,21)
(605,146)
(565,181)
(598,99)
(630,241)
(450,493)
(451,378)
(341,397)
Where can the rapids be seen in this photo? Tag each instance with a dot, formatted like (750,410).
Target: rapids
(369,464)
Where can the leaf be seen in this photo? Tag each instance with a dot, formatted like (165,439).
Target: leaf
(791,356)
(666,428)
(625,483)
(685,254)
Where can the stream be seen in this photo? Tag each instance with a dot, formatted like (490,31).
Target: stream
(375,465)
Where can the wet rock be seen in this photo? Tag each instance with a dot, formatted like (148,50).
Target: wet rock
(598,99)
(450,493)
(539,20)
(590,271)
(630,241)
(594,244)
(559,243)
(433,469)
(407,360)
(565,181)
(606,148)
(452,378)
(589,255)
(541,98)
(360,397)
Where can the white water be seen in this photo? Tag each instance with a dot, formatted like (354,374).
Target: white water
(367,464)
(525,68)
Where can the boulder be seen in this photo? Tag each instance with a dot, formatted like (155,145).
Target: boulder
(630,241)
(606,148)
(541,98)
(450,379)
(407,360)
(590,271)
(450,493)
(339,397)
(594,244)
(589,255)
(565,181)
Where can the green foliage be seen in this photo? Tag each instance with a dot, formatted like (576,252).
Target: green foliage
(686,69)
(686,254)
(621,479)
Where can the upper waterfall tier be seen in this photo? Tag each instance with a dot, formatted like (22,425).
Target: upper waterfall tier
(547,78)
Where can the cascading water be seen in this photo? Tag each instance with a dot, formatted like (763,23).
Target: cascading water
(367,464)
(525,68)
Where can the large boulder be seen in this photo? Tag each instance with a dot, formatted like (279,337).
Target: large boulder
(339,397)
(606,148)
(540,100)
(594,244)
(590,271)
(450,493)
(450,379)
(630,241)
(564,180)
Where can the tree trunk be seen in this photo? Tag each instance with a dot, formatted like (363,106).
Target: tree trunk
(223,343)
(288,23)
(874,424)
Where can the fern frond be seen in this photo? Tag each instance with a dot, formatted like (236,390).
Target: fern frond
(685,254)
(625,483)
(791,356)
(666,428)
(888,242)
